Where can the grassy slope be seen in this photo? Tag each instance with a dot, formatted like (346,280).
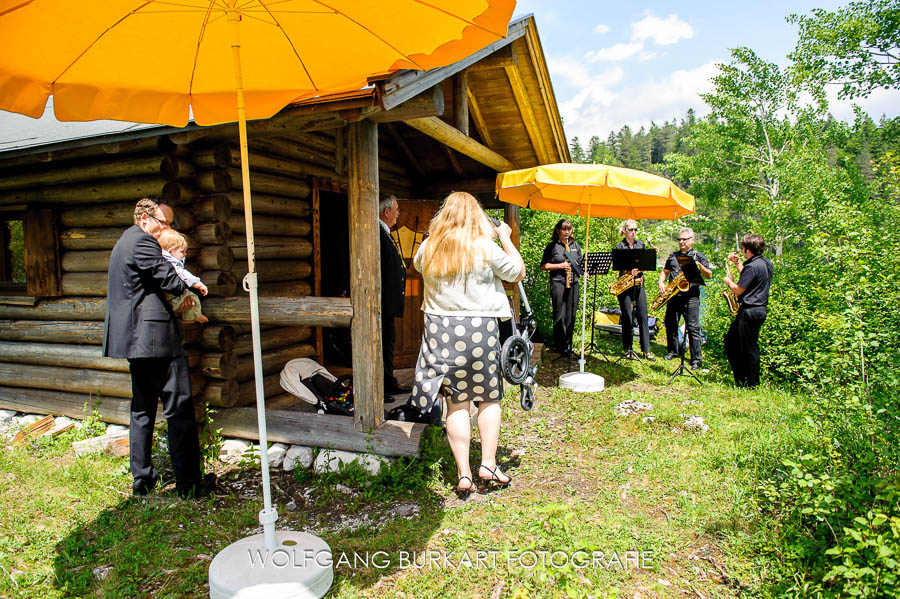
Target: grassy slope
(585,479)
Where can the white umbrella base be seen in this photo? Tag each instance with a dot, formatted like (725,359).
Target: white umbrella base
(300,567)
(582,382)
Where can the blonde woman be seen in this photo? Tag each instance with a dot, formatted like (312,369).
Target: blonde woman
(463,269)
(633,300)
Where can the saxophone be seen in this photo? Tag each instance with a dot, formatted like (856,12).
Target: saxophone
(678,284)
(624,283)
(728,294)
(568,270)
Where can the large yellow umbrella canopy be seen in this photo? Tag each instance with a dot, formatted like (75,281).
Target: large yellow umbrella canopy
(147,60)
(594,190)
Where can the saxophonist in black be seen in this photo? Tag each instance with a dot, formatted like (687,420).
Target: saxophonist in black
(563,284)
(752,291)
(685,304)
(634,298)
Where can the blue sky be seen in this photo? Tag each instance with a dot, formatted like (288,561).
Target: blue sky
(622,63)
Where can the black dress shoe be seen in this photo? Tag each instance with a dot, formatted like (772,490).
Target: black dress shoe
(143,486)
(202,489)
(670,356)
(696,366)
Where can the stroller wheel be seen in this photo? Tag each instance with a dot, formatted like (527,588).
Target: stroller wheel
(526,397)
(515,359)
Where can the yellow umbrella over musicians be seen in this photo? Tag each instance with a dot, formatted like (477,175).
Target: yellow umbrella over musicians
(593,190)
(161,61)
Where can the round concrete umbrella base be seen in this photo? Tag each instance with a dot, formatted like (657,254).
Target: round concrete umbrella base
(582,382)
(299,567)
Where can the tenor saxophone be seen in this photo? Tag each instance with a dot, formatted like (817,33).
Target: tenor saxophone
(728,294)
(676,285)
(624,283)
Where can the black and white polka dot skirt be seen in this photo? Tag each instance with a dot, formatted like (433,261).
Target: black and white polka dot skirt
(459,360)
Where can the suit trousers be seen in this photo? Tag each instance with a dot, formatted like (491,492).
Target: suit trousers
(688,308)
(166,379)
(565,305)
(633,301)
(388,342)
(742,345)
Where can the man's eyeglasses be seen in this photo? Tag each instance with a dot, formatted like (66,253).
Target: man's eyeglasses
(685,238)
(631,229)
(162,223)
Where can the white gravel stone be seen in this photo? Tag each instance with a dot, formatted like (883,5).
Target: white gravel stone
(116,428)
(7,415)
(648,419)
(331,459)
(298,456)
(27,419)
(632,406)
(695,423)
(101,572)
(276,454)
(233,449)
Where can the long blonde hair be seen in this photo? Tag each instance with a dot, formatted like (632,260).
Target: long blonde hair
(453,233)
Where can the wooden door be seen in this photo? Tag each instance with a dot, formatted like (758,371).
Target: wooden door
(415,215)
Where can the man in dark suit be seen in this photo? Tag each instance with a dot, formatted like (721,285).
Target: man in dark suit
(141,327)
(393,289)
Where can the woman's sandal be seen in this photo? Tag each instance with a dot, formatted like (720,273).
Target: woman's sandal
(464,493)
(494,477)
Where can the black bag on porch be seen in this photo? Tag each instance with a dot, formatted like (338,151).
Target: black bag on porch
(332,397)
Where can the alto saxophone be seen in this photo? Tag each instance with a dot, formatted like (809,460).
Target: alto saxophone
(678,284)
(728,294)
(624,283)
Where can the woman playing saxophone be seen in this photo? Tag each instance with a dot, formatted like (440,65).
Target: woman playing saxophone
(633,299)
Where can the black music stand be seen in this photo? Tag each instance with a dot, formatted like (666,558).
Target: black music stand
(596,263)
(693,276)
(626,259)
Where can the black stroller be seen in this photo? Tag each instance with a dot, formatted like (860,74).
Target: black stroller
(515,355)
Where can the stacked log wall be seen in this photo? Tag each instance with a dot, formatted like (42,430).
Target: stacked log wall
(47,350)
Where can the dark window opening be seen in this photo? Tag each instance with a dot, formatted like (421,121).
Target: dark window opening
(12,246)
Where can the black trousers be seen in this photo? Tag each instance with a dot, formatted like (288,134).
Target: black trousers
(631,301)
(388,341)
(742,345)
(687,307)
(166,379)
(565,305)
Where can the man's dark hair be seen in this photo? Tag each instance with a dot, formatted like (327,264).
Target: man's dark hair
(146,206)
(563,223)
(753,242)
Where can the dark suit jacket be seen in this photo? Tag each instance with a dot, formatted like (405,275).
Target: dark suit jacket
(139,321)
(393,278)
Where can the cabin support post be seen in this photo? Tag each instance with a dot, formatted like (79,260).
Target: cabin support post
(365,275)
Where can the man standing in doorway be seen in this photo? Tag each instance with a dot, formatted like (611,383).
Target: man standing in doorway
(393,291)
(141,327)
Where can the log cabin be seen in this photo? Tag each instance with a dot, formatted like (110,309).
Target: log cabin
(318,170)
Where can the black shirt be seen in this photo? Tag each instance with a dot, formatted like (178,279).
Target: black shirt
(623,245)
(755,279)
(673,268)
(554,254)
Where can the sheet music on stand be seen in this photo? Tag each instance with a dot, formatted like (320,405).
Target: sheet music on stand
(597,263)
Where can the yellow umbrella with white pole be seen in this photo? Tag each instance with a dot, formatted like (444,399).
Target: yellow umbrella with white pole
(156,61)
(593,190)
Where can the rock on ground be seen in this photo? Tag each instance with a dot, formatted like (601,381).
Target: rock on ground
(6,416)
(297,455)
(331,459)
(632,406)
(695,423)
(233,449)
(276,454)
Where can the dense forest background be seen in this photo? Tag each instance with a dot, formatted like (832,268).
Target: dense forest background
(825,194)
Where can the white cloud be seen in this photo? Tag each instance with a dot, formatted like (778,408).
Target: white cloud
(615,53)
(598,107)
(601,28)
(645,56)
(663,32)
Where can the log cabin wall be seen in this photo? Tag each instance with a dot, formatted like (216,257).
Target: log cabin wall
(50,352)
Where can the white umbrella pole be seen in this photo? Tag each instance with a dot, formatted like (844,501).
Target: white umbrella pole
(268,515)
(587,240)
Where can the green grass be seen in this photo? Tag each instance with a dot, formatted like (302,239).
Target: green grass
(584,480)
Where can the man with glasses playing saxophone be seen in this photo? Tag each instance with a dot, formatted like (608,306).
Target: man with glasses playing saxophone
(687,303)
(752,291)
(633,298)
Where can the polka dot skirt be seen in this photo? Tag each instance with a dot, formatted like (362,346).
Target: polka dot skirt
(459,360)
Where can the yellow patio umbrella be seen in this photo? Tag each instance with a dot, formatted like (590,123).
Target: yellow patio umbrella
(159,61)
(594,190)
